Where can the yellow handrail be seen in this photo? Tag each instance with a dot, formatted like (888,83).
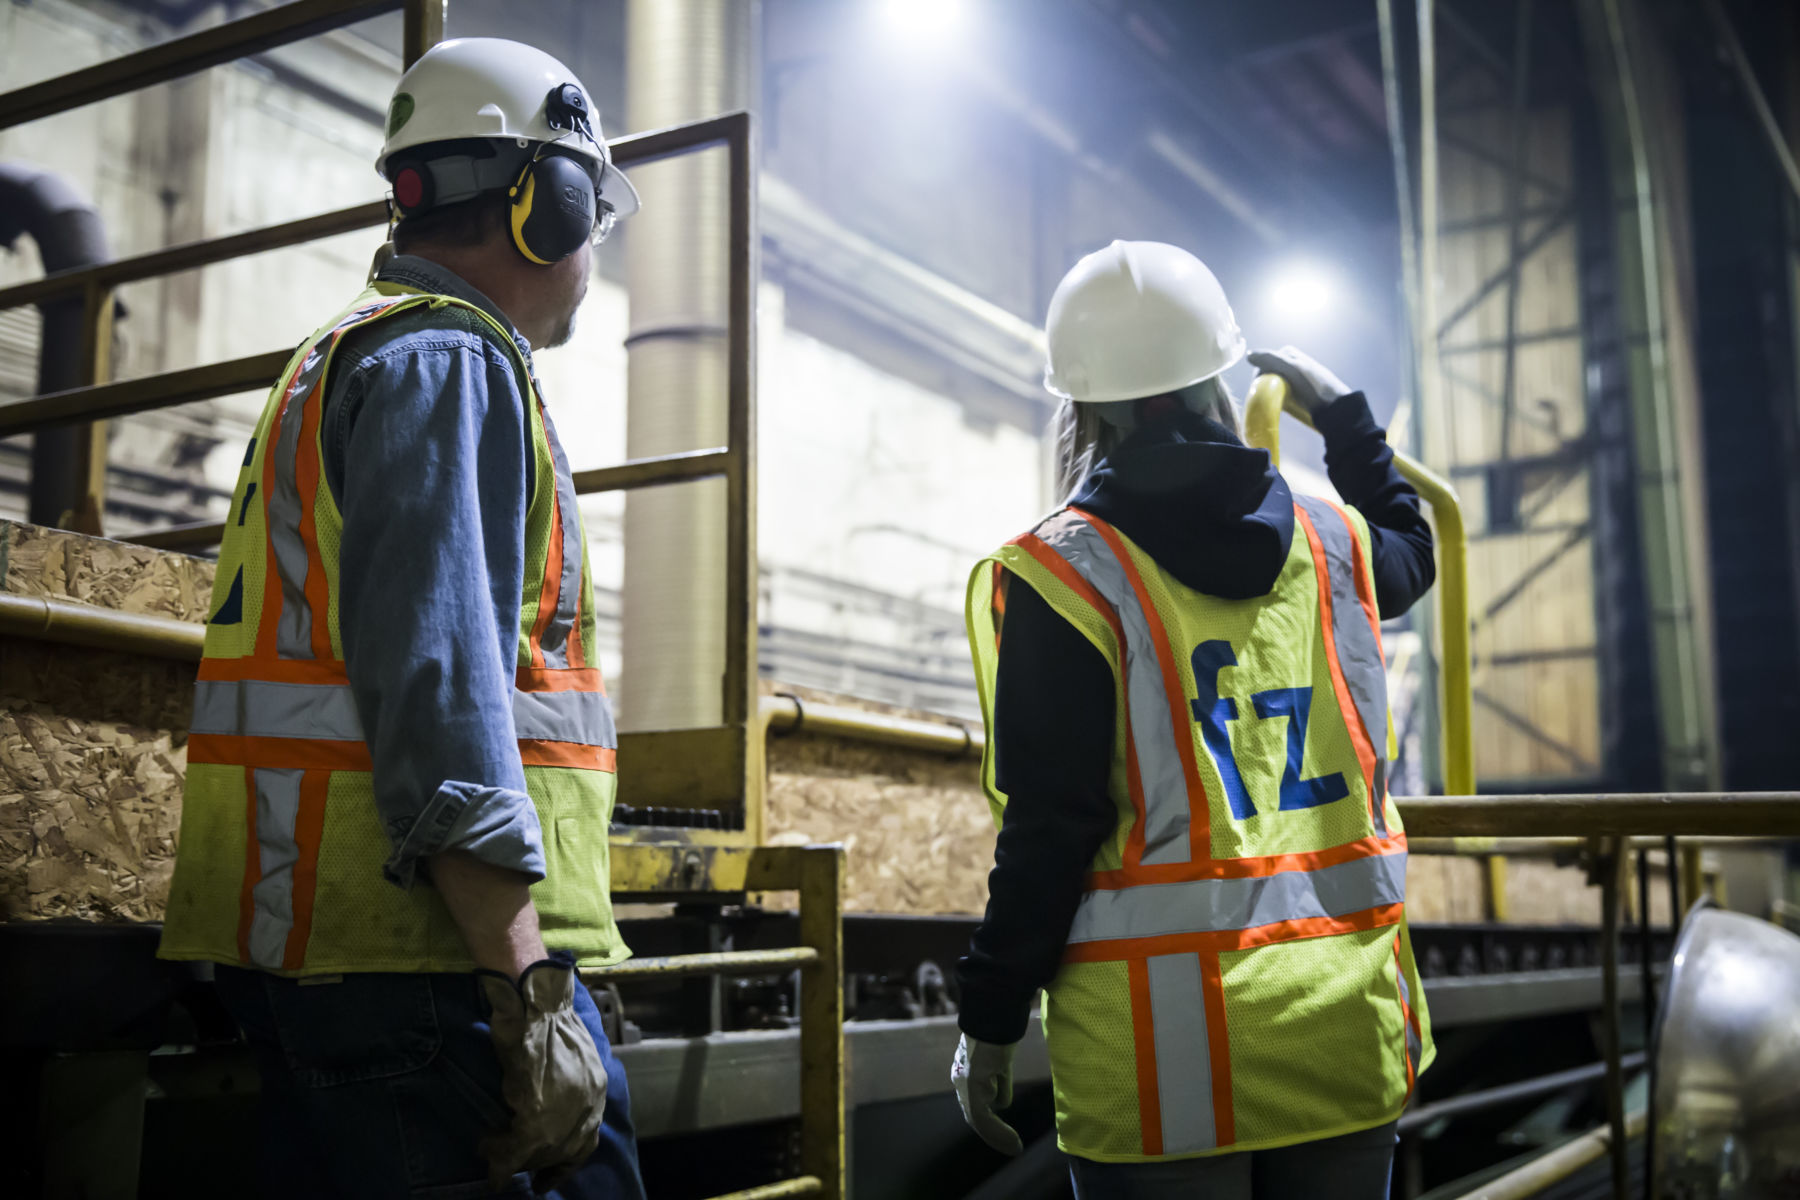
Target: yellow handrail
(1269,398)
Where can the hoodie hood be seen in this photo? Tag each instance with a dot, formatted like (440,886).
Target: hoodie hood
(1211,511)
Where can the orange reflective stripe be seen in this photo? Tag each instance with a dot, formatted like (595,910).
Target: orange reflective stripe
(309,832)
(252,861)
(549,591)
(274,670)
(278,752)
(1212,986)
(1406,1016)
(1353,722)
(1059,566)
(306,480)
(1225,940)
(535,753)
(1143,1032)
(1199,809)
(558,679)
(1241,868)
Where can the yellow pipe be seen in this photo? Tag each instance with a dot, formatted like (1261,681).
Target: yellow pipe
(1269,398)
(51,619)
(1557,1165)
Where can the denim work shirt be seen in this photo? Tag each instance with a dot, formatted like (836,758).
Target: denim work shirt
(427,451)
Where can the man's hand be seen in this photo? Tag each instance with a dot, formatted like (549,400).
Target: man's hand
(1312,384)
(550,1074)
(982,1076)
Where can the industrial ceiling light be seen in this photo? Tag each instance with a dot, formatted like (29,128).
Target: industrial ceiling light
(925,21)
(1300,291)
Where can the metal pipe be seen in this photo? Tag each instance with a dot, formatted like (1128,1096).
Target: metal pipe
(1511,1093)
(1611,867)
(50,619)
(786,714)
(1763,814)
(1557,1165)
(800,1185)
(718,962)
(1684,684)
(684,59)
(69,235)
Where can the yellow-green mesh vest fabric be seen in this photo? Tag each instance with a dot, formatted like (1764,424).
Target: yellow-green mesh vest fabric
(281,846)
(1239,975)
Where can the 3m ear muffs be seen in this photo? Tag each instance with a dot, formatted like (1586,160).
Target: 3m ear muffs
(552,208)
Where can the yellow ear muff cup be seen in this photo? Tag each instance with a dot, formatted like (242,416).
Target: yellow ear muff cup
(552,209)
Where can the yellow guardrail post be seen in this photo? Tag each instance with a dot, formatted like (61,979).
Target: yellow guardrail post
(1269,398)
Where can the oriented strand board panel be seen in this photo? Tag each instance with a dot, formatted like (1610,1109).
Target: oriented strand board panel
(92,744)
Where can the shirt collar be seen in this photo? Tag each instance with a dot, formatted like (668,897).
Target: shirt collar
(412,271)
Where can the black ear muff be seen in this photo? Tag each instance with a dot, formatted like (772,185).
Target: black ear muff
(552,208)
(413,192)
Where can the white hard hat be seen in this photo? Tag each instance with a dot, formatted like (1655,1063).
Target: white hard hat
(1137,319)
(494,88)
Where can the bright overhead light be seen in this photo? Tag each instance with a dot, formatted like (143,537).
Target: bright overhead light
(1301,290)
(923,20)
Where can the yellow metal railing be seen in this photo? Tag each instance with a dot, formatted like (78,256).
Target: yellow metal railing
(1269,398)
(816,873)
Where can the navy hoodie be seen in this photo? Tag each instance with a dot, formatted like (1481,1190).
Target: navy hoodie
(1215,514)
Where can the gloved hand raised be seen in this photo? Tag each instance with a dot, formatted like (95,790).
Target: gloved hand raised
(981,1073)
(550,1074)
(1312,384)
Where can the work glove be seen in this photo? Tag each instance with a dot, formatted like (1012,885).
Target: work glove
(981,1073)
(550,1075)
(1312,385)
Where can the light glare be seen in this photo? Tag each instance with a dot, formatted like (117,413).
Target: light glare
(923,20)
(1299,291)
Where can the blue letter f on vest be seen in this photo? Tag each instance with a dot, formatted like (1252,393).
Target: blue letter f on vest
(1213,711)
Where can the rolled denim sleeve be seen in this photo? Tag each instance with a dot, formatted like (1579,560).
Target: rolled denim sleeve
(433,475)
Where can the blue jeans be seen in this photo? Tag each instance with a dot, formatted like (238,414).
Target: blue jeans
(382,1085)
(1355,1166)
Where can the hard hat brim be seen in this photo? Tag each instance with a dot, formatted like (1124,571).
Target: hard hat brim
(1061,393)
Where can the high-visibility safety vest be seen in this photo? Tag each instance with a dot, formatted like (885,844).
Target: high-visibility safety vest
(1238,975)
(281,851)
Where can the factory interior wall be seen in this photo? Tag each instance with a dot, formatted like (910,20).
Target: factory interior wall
(866,477)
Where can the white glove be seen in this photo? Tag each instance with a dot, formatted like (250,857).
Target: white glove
(982,1077)
(1313,385)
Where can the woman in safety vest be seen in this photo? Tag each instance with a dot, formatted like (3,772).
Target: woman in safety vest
(1188,741)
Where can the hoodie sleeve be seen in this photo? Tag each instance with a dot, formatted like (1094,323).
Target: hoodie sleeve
(1053,741)
(1361,466)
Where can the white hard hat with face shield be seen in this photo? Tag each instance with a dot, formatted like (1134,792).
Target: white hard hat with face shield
(1138,319)
(472,111)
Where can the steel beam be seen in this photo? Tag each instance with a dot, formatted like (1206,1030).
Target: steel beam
(264,30)
(1742,814)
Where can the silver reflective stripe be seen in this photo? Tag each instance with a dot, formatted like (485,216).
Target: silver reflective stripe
(258,708)
(293,633)
(555,641)
(277,810)
(1183,1058)
(1215,905)
(1358,653)
(584,717)
(1413,1048)
(1152,731)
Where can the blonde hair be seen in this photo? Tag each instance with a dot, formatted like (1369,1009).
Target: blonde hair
(1086,433)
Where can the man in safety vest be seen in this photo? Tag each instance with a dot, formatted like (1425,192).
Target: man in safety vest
(401,768)
(1188,738)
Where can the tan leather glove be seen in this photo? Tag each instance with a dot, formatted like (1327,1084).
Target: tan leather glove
(550,1075)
